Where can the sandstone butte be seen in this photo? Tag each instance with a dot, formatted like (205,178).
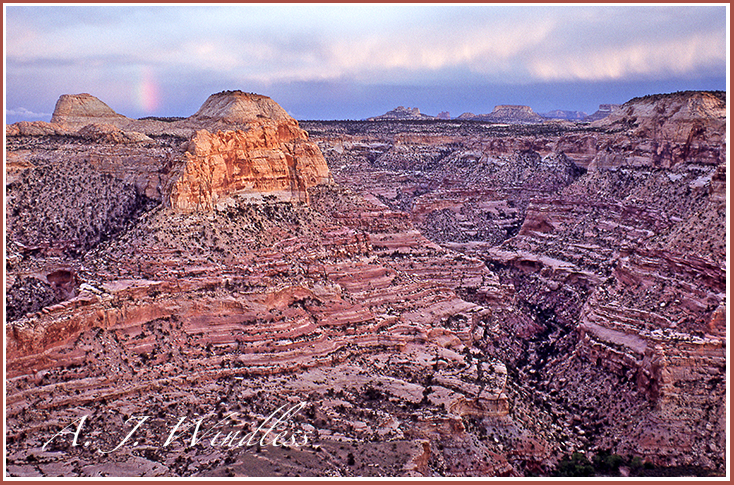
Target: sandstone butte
(265,154)
(459,303)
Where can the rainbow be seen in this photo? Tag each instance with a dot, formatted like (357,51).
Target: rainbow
(148,92)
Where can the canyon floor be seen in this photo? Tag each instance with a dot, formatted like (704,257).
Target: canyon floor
(430,298)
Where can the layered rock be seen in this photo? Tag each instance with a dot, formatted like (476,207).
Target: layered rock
(251,295)
(663,131)
(265,160)
(270,156)
(554,309)
(607,301)
(78,110)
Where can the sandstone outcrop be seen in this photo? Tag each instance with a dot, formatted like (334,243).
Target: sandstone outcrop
(78,110)
(271,155)
(663,131)
(266,159)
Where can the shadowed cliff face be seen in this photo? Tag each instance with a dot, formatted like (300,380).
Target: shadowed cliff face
(611,282)
(468,300)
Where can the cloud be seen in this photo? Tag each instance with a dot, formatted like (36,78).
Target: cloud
(484,48)
(692,54)
(26,113)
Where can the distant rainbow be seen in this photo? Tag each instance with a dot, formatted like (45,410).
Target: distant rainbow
(148,92)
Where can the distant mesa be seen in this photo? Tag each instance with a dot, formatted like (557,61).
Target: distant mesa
(560,114)
(466,116)
(603,111)
(507,113)
(403,113)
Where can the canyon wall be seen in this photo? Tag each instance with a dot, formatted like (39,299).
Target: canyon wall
(608,245)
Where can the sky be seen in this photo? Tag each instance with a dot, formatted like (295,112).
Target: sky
(352,61)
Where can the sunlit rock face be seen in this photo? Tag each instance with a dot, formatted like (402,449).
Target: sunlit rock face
(267,158)
(268,155)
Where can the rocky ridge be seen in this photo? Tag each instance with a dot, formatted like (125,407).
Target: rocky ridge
(514,114)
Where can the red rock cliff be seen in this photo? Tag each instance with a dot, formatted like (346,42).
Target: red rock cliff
(271,156)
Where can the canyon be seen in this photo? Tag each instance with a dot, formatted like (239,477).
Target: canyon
(444,297)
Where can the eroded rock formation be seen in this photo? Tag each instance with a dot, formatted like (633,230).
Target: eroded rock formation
(267,159)
(78,110)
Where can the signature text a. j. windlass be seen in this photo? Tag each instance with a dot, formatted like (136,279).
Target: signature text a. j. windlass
(275,430)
